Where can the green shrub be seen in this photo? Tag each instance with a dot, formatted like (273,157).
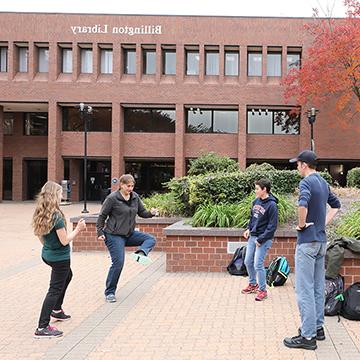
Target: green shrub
(238,215)
(353,178)
(349,224)
(165,203)
(325,174)
(212,163)
(179,188)
(260,167)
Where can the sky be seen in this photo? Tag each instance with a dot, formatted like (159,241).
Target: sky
(282,8)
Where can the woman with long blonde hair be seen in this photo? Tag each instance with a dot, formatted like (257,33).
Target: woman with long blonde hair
(49,225)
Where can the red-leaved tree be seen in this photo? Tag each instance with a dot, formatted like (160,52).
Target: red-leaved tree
(330,69)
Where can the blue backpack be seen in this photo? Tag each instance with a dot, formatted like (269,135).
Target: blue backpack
(278,271)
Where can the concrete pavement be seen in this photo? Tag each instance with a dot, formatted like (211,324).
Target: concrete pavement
(158,315)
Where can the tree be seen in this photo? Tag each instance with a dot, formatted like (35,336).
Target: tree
(331,67)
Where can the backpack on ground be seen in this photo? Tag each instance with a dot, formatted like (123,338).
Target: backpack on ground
(351,304)
(278,271)
(237,264)
(334,289)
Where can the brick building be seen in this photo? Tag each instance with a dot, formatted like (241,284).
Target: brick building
(163,89)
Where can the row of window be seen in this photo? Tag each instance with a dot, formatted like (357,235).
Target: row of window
(149,56)
(150,120)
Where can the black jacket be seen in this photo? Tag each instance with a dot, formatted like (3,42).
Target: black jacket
(117,216)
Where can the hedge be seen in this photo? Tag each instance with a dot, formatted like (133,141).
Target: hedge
(353,178)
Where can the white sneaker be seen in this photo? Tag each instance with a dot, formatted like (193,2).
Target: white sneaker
(141,259)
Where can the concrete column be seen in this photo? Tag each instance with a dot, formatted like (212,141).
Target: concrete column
(19,185)
(117,143)
(241,153)
(179,141)
(55,161)
(1,152)
(75,179)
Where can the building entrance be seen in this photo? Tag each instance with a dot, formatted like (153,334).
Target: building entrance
(98,179)
(7,179)
(35,175)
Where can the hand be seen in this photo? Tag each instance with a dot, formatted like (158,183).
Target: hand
(154,211)
(246,234)
(81,225)
(298,228)
(257,243)
(101,238)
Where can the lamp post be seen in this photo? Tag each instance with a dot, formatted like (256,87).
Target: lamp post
(85,111)
(311,115)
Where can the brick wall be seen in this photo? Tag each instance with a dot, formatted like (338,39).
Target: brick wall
(87,240)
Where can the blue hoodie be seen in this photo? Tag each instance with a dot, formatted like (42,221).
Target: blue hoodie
(264,218)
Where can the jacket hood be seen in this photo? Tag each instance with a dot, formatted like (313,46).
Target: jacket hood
(270,198)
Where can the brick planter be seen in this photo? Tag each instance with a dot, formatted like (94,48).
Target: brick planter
(205,249)
(87,240)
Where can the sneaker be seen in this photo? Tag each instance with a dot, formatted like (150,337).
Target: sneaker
(299,342)
(110,298)
(261,295)
(250,289)
(141,258)
(47,332)
(320,333)
(60,316)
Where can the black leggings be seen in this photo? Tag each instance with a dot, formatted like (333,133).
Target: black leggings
(61,275)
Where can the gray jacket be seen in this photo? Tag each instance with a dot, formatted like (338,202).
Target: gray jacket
(117,216)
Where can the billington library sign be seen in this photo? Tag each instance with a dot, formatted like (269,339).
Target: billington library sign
(128,30)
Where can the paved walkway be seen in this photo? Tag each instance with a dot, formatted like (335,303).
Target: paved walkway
(158,315)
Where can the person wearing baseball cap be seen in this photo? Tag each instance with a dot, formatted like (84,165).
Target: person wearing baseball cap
(314,195)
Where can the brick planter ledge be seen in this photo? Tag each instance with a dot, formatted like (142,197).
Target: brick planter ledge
(87,240)
(206,249)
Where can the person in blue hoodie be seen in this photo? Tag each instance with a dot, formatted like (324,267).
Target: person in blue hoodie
(259,233)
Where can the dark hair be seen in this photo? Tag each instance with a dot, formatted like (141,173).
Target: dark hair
(126,179)
(264,183)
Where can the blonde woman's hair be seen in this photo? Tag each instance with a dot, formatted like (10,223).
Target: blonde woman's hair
(126,179)
(47,205)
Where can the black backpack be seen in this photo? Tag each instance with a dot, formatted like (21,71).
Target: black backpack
(278,271)
(237,264)
(351,305)
(334,289)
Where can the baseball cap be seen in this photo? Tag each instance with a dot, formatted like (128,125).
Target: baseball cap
(306,156)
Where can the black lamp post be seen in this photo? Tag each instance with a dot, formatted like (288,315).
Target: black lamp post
(311,115)
(85,111)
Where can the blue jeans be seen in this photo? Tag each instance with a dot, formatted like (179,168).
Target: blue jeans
(254,261)
(116,246)
(310,285)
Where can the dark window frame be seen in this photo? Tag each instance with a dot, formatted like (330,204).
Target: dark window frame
(126,52)
(30,114)
(212,118)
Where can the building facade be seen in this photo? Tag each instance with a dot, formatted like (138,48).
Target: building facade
(163,89)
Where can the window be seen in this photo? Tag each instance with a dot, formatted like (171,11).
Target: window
(293,59)
(150,175)
(273,62)
(43,60)
(149,120)
(211,61)
(36,124)
(149,61)
(100,120)
(192,62)
(211,121)
(8,123)
(86,61)
(106,66)
(3,58)
(129,61)
(254,63)
(169,61)
(267,121)
(23,64)
(67,60)
(231,63)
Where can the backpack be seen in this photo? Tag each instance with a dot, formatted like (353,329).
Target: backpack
(277,272)
(351,305)
(237,264)
(333,295)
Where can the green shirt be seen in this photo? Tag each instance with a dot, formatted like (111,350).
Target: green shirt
(53,250)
